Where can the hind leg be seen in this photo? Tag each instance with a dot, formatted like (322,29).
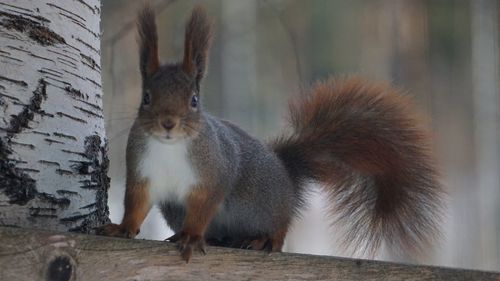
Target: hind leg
(277,239)
(270,243)
(256,243)
(253,243)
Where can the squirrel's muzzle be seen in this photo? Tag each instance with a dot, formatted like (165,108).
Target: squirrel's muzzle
(169,124)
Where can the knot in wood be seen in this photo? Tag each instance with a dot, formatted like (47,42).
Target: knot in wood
(60,269)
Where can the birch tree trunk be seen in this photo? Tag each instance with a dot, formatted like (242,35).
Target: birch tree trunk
(53,164)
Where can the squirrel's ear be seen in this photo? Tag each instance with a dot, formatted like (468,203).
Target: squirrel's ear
(197,41)
(148,42)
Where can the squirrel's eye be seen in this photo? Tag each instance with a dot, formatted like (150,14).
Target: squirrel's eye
(146,98)
(194,101)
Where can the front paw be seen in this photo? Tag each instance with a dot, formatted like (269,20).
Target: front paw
(116,230)
(187,243)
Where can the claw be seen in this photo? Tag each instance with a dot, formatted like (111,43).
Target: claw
(186,243)
(186,253)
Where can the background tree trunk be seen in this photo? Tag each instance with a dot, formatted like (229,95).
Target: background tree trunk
(238,62)
(486,130)
(53,164)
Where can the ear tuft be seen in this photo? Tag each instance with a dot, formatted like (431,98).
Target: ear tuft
(197,42)
(148,42)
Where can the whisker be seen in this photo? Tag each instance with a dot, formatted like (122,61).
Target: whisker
(194,130)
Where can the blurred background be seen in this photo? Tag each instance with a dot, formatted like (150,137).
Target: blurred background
(445,53)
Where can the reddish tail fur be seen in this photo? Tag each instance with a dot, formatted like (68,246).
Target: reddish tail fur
(363,142)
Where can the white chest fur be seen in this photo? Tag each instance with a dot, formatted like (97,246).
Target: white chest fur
(168,169)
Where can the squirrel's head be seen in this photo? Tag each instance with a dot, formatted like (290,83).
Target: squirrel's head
(170,106)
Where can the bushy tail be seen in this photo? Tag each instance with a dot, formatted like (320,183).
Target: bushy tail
(363,142)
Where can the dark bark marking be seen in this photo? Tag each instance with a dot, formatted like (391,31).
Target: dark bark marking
(45,71)
(49,163)
(21,120)
(89,206)
(90,62)
(63,172)
(30,14)
(43,212)
(57,80)
(11,36)
(29,170)
(16,7)
(43,113)
(40,57)
(87,45)
(40,133)
(87,184)
(64,136)
(67,192)
(18,49)
(86,111)
(35,30)
(52,200)
(75,75)
(13,81)
(62,114)
(76,93)
(97,168)
(58,73)
(11,58)
(88,6)
(25,145)
(81,25)
(64,55)
(81,167)
(95,83)
(51,141)
(10,97)
(66,11)
(90,186)
(92,105)
(67,63)
(18,186)
(73,152)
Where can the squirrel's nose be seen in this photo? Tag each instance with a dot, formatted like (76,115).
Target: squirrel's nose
(168,124)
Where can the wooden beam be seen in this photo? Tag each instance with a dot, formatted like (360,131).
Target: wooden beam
(27,254)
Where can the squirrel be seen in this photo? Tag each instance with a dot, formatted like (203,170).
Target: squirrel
(215,184)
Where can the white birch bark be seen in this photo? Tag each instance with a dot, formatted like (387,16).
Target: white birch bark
(53,161)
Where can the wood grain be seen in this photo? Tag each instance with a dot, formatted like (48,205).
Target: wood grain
(27,254)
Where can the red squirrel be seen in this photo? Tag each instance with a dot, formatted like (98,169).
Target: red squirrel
(215,184)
